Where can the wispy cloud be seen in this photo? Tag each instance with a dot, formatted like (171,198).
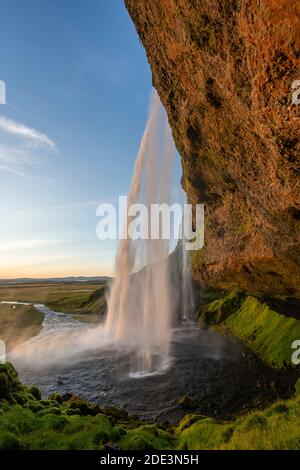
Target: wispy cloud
(27,244)
(76,205)
(18,155)
(21,130)
(14,171)
(20,147)
(55,208)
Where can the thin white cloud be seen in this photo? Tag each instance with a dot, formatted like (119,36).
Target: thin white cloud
(14,171)
(75,205)
(18,129)
(26,244)
(18,155)
(79,205)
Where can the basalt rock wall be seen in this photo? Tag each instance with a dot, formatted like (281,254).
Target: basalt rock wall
(224,69)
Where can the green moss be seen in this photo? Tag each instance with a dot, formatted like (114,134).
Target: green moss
(81,302)
(188,402)
(218,311)
(26,426)
(54,410)
(268,333)
(297,387)
(9,381)
(18,323)
(9,441)
(4,385)
(268,429)
(255,420)
(187,421)
(56,397)
(203,434)
(116,412)
(146,437)
(35,406)
(35,392)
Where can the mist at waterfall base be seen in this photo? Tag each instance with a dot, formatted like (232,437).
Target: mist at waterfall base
(148,348)
(147,287)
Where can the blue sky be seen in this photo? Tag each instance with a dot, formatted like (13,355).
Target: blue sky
(78,86)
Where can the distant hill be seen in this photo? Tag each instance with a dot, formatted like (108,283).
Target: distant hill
(66,280)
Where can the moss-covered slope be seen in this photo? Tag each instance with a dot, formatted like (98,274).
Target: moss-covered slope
(268,333)
(28,422)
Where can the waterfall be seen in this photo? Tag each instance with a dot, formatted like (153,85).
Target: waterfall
(140,299)
(149,287)
(187,302)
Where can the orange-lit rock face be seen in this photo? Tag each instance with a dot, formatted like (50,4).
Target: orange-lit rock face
(224,70)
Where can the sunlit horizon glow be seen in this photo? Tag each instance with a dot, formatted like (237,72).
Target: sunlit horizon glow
(57,272)
(69,132)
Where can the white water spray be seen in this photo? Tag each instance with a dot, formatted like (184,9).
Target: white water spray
(140,300)
(187,293)
(147,290)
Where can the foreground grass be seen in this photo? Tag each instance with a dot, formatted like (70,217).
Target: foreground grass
(18,323)
(269,334)
(277,427)
(27,422)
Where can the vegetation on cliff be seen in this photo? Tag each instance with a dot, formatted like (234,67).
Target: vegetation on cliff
(268,333)
(18,323)
(68,422)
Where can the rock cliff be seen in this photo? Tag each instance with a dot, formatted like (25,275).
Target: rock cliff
(224,70)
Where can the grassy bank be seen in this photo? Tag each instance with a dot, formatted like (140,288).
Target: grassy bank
(18,323)
(87,300)
(27,422)
(268,333)
(81,303)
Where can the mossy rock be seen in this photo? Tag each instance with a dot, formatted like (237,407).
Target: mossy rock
(136,442)
(255,421)
(19,397)
(35,406)
(218,311)
(4,385)
(279,408)
(52,410)
(54,422)
(8,441)
(45,403)
(119,431)
(268,333)
(68,396)
(188,403)
(115,412)
(35,392)
(84,407)
(56,397)
(73,412)
(9,381)
(187,421)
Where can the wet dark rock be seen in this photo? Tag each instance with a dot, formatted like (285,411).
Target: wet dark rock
(187,402)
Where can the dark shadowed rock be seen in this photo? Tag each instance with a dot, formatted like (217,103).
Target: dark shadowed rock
(224,71)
